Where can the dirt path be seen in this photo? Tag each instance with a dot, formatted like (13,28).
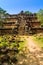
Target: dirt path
(31,45)
(35,50)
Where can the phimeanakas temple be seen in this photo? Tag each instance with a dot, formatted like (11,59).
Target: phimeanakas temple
(21,24)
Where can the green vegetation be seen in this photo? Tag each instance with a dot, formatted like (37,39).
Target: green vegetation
(25,12)
(11,41)
(28,12)
(38,40)
(10,47)
(3,15)
(40,16)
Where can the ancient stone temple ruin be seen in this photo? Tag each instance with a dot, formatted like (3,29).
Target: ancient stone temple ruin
(21,24)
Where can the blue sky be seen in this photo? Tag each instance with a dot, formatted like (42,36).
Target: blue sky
(15,6)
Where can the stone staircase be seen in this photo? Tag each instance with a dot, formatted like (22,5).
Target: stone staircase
(22,27)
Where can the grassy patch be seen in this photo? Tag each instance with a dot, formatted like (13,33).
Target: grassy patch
(38,40)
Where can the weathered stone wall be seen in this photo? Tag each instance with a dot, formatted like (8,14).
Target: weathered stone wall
(37,30)
(5,31)
(21,24)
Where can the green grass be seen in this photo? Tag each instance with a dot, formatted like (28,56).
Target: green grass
(38,40)
(22,45)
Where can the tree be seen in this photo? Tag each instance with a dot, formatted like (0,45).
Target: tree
(28,12)
(25,12)
(3,16)
(40,16)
